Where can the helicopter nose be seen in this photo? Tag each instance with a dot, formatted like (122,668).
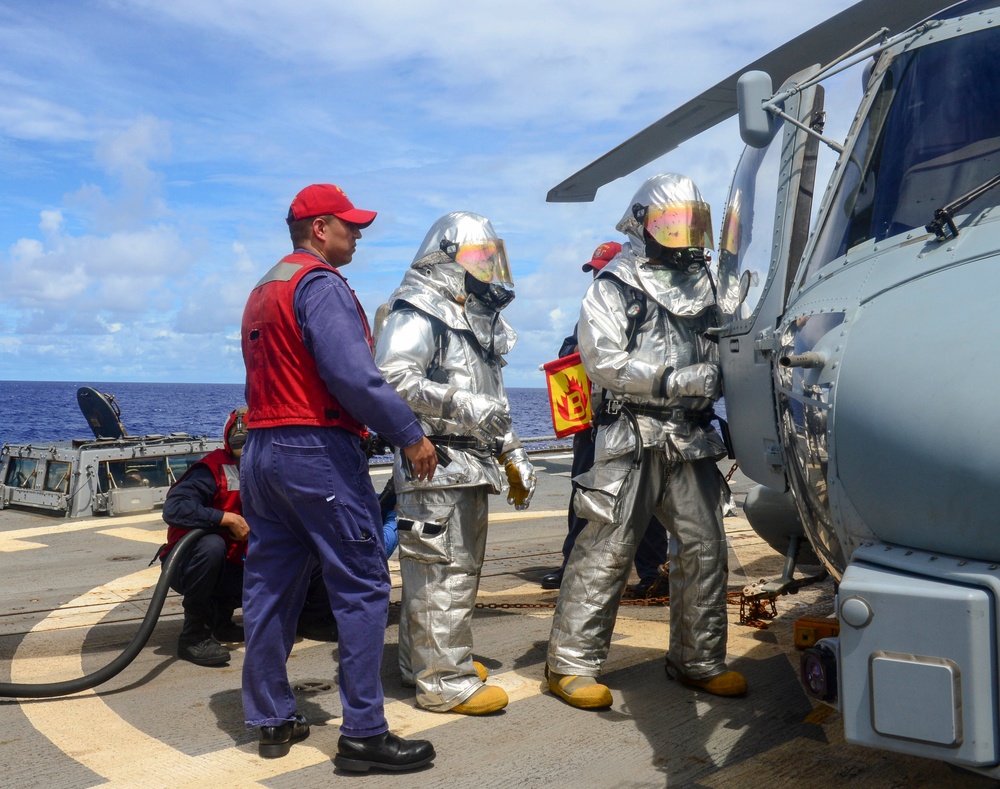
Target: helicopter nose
(915,461)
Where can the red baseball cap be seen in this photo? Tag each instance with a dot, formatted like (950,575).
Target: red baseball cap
(603,255)
(323,199)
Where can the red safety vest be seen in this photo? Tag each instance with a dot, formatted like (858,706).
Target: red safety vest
(283,385)
(224,469)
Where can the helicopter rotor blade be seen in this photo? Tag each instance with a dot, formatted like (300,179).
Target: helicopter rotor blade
(820,44)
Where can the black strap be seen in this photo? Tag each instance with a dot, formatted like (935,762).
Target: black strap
(468,444)
(635,312)
(436,371)
(458,442)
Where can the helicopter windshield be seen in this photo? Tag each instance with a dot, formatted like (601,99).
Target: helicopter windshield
(932,133)
(749,218)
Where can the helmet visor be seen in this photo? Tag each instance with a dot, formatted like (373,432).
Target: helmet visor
(485,260)
(680,225)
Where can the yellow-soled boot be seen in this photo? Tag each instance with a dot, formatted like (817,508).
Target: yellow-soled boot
(729,683)
(486,700)
(584,693)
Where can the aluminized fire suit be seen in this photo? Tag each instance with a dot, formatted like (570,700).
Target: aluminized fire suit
(662,382)
(442,350)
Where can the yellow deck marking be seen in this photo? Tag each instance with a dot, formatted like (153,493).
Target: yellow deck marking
(19,539)
(59,720)
(525,515)
(153,537)
(532,590)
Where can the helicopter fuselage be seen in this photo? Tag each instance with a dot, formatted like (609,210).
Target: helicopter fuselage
(876,346)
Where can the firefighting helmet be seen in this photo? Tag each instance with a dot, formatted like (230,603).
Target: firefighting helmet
(470,241)
(670,210)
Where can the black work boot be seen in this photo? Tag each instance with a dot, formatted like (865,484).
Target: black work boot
(553,580)
(225,629)
(656,586)
(383,752)
(276,741)
(197,644)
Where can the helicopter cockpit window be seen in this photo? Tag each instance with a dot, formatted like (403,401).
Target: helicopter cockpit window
(747,228)
(931,135)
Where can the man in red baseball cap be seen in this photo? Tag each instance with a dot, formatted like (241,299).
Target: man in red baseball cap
(312,387)
(602,256)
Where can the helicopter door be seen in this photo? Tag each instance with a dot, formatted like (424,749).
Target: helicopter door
(764,231)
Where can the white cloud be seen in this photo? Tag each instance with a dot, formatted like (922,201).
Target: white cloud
(112,328)
(51,222)
(127,156)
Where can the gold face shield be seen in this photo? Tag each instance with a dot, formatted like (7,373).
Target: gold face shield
(677,225)
(484,260)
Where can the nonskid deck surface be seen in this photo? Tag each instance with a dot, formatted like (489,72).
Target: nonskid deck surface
(74,591)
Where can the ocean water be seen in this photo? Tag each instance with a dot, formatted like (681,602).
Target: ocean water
(34,411)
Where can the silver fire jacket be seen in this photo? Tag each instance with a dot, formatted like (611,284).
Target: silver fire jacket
(429,310)
(678,309)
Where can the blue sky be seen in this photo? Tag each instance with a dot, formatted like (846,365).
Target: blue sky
(150,150)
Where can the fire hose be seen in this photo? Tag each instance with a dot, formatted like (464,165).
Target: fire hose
(46,690)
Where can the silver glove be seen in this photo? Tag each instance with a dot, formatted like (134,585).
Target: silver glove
(482,415)
(696,380)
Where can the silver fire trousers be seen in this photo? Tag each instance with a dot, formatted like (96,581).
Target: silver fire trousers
(442,542)
(687,498)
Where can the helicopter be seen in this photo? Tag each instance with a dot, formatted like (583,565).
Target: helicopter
(855,353)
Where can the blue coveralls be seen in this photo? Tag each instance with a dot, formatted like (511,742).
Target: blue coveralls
(307,493)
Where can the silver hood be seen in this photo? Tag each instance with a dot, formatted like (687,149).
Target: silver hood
(681,293)
(435,285)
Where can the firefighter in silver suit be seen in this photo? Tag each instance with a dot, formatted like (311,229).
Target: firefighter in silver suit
(442,347)
(642,339)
